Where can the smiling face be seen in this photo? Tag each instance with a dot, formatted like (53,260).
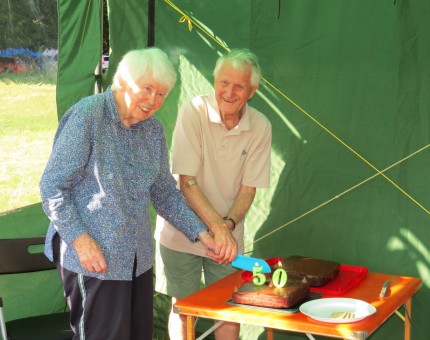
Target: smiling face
(140,100)
(232,90)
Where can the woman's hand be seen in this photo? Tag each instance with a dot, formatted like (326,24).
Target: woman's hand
(89,253)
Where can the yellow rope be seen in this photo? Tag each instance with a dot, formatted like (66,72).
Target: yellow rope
(190,22)
(338,195)
(349,148)
(187,19)
(184,18)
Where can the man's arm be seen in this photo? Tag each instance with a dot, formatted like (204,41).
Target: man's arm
(221,229)
(242,203)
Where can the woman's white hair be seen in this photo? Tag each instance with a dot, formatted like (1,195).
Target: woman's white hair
(136,63)
(240,59)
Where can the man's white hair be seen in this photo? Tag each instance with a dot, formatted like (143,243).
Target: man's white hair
(240,59)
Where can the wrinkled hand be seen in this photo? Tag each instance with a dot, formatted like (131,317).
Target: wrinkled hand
(208,241)
(222,246)
(90,255)
(225,243)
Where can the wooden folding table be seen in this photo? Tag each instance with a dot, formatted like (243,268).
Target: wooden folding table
(212,303)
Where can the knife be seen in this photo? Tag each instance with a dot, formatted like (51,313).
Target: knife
(248,263)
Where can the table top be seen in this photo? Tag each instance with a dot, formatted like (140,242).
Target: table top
(211,302)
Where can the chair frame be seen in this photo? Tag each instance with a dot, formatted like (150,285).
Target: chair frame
(16,257)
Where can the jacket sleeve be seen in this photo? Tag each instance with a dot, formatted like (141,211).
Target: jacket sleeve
(169,202)
(64,169)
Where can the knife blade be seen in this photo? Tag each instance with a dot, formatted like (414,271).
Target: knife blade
(248,263)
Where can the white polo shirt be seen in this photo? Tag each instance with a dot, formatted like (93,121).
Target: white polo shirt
(221,160)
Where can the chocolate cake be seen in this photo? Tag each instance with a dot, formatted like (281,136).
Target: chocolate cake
(266,296)
(316,272)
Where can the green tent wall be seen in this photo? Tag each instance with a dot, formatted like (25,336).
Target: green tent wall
(346,87)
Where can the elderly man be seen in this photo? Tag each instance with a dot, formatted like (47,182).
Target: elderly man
(221,152)
(108,163)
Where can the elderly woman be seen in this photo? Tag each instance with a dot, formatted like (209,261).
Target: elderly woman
(109,162)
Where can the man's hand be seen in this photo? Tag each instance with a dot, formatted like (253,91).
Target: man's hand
(225,255)
(225,243)
(89,253)
(221,247)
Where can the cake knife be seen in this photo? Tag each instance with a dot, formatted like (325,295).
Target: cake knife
(248,263)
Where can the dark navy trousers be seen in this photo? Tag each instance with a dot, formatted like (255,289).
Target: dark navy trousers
(107,309)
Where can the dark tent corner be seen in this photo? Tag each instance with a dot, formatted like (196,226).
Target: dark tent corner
(346,87)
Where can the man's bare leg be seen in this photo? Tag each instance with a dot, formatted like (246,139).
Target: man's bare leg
(178,327)
(228,331)
(177,324)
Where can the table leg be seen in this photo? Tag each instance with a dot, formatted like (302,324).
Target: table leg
(360,335)
(408,312)
(269,333)
(191,335)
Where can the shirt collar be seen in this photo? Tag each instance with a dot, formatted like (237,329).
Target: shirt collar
(114,114)
(215,116)
(110,102)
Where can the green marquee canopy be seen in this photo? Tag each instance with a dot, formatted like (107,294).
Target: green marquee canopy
(347,89)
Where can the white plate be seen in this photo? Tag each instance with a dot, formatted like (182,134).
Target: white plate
(337,310)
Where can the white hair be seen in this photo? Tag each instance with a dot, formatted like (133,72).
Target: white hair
(136,63)
(240,59)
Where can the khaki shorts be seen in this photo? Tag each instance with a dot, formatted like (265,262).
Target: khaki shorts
(181,274)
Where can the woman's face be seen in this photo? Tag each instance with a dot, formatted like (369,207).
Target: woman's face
(142,99)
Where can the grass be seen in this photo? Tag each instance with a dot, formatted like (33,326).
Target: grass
(28,121)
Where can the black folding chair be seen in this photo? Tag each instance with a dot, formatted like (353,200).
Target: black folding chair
(15,258)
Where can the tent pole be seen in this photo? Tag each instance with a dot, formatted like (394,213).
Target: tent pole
(98,71)
(151,23)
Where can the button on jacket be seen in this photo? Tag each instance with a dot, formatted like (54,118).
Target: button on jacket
(101,178)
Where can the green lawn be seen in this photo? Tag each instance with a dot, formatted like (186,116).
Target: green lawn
(28,121)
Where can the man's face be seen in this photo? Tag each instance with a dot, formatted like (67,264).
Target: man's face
(232,90)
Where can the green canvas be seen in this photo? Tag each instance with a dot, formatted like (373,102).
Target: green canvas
(346,87)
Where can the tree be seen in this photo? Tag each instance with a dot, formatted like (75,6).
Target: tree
(28,23)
